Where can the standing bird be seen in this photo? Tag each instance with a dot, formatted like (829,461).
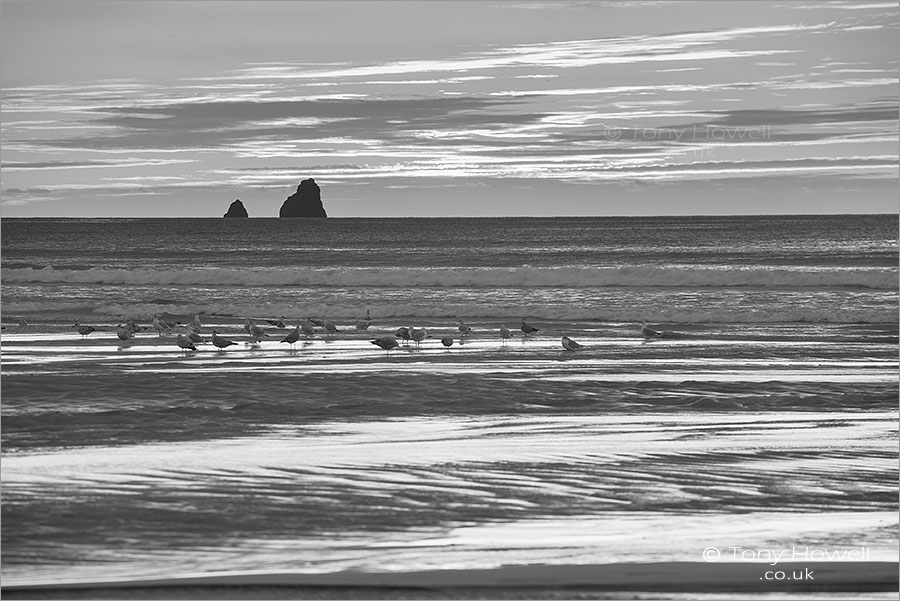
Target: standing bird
(293,337)
(194,336)
(124,333)
(330,328)
(404,334)
(196,325)
(160,326)
(418,335)
(84,330)
(528,328)
(649,332)
(387,343)
(256,333)
(569,344)
(185,344)
(447,341)
(364,324)
(248,323)
(132,326)
(278,323)
(221,343)
(504,333)
(464,330)
(308,328)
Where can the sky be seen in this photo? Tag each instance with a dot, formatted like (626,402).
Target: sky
(488,108)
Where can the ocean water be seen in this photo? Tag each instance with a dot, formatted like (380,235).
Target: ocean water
(765,418)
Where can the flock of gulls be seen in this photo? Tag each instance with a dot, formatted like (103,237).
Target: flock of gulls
(192,333)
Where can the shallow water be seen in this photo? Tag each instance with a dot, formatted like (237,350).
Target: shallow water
(133,460)
(766,418)
(426,493)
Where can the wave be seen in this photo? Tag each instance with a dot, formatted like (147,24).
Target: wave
(518,277)
(346,315)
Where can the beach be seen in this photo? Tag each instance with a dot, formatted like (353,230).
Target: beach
(677,580)
(762,419)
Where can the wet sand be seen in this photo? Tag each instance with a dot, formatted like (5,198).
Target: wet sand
(617,581)
(134,464)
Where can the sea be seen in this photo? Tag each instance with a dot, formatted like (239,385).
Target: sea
(759,414)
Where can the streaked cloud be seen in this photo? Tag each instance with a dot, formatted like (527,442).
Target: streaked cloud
(14,166)
(795,97)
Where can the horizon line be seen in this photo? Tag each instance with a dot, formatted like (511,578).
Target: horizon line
(657,215)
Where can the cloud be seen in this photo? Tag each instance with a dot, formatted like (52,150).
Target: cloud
(221,125)
(12,166)
(774,117)
(92,164)
(677,46)
(543,110)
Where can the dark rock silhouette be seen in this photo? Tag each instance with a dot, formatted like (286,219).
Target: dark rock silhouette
(306,202)
(236,210)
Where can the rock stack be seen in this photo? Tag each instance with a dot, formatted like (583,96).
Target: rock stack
(306,202)
(236,210)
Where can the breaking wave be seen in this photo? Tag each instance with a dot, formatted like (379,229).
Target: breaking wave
(519,277)
(345,315)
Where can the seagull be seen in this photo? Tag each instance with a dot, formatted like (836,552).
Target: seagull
(404,334)
(528,328)
(504,333)
(308,328)
(386,343)
(256,333)
(221,343)
(194,337)
(293,337)
(185,344)
(447,341)
(196,325)
(364,325)
(315,322)
(124,333)
(248,323)
(418,335)
(84,330)
(132,326)
(278,323)
(649,332)
(160,326)
(569,344)
(464,330)
(330,328)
